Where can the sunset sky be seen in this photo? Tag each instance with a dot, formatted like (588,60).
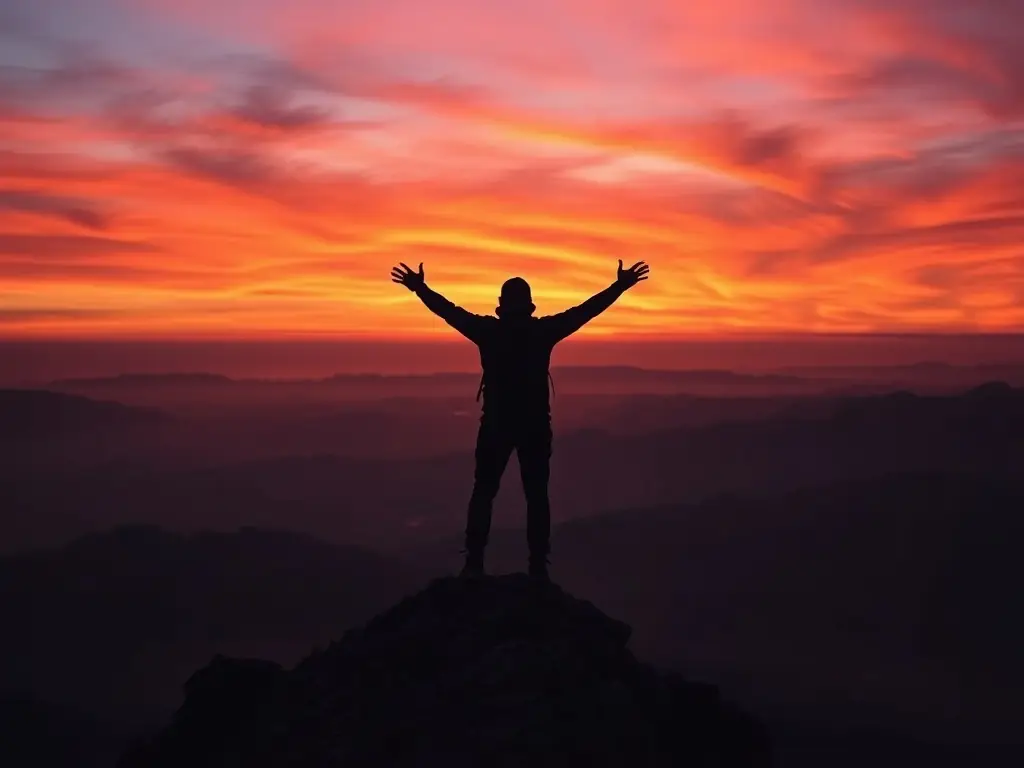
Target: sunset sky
(253,168)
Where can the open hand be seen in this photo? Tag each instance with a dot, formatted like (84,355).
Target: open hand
(633,275)
(411,280)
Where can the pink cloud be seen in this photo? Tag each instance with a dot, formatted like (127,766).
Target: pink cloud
(789,164)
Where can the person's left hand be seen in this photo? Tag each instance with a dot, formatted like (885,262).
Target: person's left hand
(633,275)
(411,280)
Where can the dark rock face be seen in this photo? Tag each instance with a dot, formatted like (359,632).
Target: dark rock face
(497,672)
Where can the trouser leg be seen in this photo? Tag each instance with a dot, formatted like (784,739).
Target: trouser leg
(534,451)
(493,449)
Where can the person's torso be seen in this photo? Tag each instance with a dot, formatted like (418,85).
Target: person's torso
(516,356)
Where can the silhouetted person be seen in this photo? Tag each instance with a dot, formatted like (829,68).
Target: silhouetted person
(515,353)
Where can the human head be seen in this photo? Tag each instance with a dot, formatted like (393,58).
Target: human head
(516,299)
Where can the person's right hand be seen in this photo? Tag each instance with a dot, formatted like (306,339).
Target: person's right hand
(633,275)
(411,280)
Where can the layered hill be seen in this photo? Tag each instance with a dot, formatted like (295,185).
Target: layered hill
(38,414)
(878,604)
(114,623)
(389,504)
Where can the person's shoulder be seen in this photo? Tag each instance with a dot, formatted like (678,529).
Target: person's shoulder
(484,323)
(550,322)
(547,327)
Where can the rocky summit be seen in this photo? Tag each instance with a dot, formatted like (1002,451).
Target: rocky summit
(500,671)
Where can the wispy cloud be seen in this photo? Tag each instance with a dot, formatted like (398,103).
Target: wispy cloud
(256,167)
(66,209)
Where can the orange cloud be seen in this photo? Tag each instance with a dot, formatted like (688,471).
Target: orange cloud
(254,169)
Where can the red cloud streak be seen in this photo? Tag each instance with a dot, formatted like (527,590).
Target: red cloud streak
(254,169)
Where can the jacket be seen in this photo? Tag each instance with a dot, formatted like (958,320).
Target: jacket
(515,351)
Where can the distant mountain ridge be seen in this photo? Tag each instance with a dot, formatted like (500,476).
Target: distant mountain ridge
(626,371)
(804,444)
(31,413)
(781,374)
(143,379)
(139,594)
(217,391)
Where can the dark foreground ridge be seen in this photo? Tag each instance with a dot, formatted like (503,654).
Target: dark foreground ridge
(497,672)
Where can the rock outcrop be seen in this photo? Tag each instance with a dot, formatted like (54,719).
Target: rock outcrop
(501,671)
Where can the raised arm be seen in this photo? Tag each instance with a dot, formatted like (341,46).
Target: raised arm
(458,318)
(571,320)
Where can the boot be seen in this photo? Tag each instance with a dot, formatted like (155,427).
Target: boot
(539,568)
(474,565)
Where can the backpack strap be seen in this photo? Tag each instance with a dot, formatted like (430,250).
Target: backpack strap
(480,389)
(551,380)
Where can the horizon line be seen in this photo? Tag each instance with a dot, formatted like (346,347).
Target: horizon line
(582,367)
(447,339)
